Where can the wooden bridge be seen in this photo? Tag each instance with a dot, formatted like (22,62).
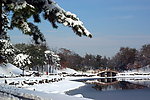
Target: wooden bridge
(107,73)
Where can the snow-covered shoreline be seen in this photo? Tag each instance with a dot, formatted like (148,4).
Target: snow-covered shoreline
(49,87)
(46,91)
(44,87)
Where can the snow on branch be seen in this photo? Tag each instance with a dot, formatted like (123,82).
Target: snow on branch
(6,48)
(54,13)
(53,58)
(71,20)
(19,5)
(21,12)
(22,60)
(5,24)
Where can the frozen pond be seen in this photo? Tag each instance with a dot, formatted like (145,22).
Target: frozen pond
(114,89)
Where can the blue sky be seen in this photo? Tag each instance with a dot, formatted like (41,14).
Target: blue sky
(113,23)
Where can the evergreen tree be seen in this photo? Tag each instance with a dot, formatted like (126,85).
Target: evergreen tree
(36,53)
(22,10)
(53,60)
(22,60)
(38,58)
(15,14)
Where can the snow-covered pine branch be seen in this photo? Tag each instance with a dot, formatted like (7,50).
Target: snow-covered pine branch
(22,10)
(5,24)
(6,48)
(54,13)
(22,60)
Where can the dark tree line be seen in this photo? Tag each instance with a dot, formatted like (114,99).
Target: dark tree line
(130,58)
(126,59)
(73,60)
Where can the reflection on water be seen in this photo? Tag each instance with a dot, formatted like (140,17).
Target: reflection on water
(114,89)
(106,84)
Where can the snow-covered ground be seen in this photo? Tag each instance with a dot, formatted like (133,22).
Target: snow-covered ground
(45,87)
(48,87)
(9,70)
(145,69)
(44,92)
(143,72)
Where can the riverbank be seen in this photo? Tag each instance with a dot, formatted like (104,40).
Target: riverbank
(51,87)
(42,91)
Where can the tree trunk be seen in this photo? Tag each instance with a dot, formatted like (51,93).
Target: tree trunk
(37,68)
(23,71)
(42,69)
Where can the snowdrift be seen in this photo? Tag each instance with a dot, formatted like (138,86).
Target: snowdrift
(143,72)
(9,70)
(66,70)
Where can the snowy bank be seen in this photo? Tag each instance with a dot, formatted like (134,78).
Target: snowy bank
(9,70)
(67,70)
(143,72)
(36,95)
(57,87)
(44,91)
(45,87)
